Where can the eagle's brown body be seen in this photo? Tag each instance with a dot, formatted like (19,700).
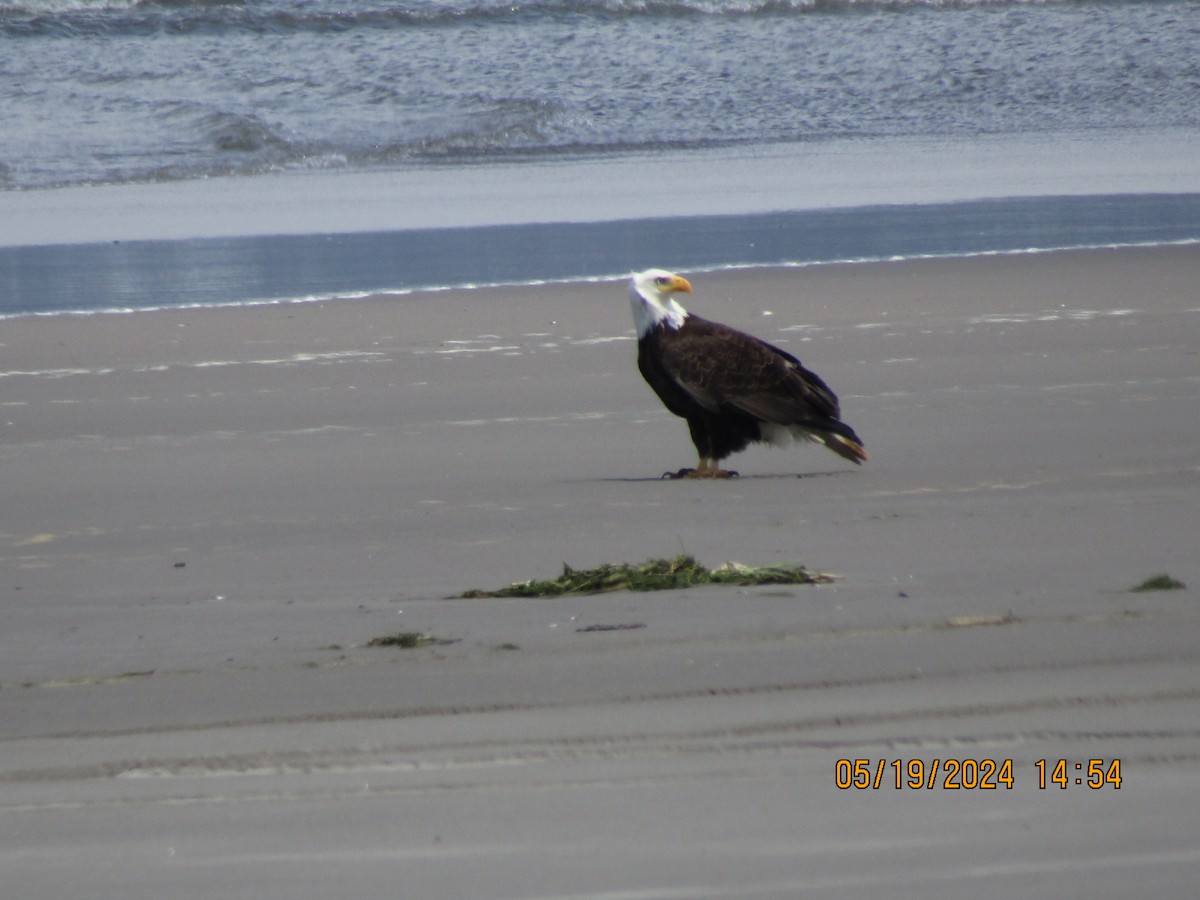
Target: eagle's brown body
(732,388)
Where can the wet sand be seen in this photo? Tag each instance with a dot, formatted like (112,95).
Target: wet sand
(726,181)
(208,513)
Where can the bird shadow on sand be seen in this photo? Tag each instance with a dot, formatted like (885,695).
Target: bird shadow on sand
(665,477)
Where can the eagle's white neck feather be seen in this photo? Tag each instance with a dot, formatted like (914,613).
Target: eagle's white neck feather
(651,306)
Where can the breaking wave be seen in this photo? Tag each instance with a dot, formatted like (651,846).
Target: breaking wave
(80,17)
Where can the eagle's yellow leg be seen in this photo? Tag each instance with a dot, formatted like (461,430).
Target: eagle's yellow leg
(709,469)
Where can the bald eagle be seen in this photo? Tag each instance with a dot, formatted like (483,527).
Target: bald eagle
(732,388)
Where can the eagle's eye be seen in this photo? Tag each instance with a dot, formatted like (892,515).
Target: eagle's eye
(662,280)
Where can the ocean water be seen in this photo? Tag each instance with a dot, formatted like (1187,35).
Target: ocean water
(101,100)
(103,91)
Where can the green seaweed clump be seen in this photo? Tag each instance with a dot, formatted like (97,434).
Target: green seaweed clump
(654,575)
(1159,583)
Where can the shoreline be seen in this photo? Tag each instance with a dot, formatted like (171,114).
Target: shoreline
(219,272)
(596,279)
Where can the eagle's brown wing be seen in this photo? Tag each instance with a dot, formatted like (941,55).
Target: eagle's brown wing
(721,367)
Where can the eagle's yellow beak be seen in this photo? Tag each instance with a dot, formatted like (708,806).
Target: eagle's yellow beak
(679,284)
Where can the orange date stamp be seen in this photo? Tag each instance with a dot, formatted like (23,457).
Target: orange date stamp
(955,774)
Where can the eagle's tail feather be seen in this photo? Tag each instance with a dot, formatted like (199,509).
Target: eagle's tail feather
(845,446)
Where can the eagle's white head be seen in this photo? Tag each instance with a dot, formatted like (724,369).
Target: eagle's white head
(650,296)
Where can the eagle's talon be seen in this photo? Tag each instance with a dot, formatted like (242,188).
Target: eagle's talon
(702,472)
(682,473)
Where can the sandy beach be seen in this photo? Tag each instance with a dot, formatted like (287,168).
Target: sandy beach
(207,513)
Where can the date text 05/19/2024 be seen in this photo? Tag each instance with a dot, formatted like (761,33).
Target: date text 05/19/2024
(973,774)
